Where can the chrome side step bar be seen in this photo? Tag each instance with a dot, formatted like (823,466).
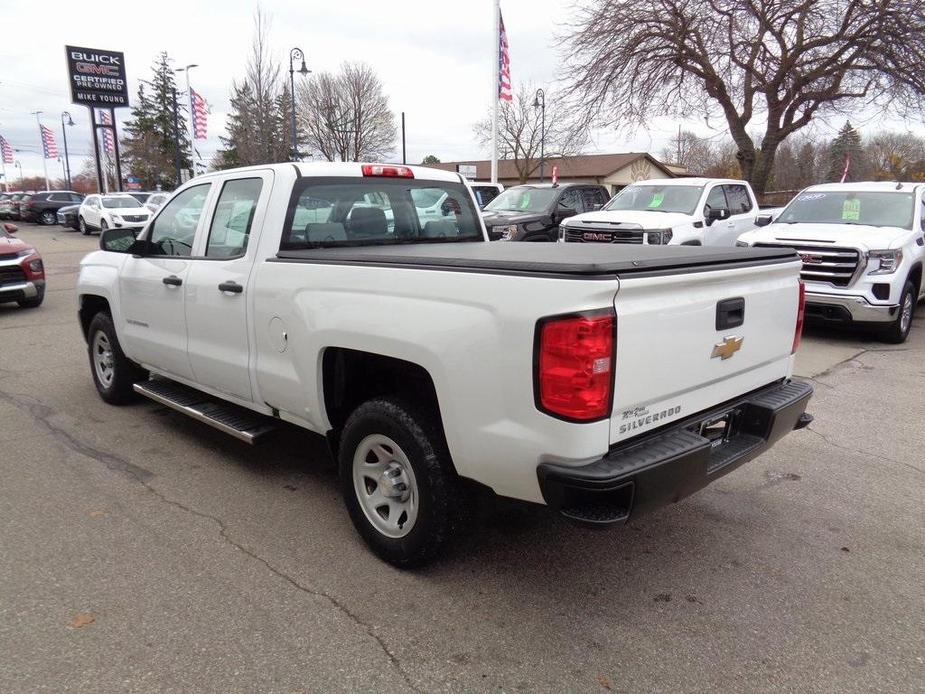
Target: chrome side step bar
(237,421)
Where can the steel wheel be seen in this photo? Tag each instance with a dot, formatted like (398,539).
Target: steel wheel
(905,317)
(102,359)
(385,486)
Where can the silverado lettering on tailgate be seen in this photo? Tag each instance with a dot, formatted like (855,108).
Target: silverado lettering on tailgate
(641,418)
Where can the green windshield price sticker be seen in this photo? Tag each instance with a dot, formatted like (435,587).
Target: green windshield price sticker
(657,200)
(525,201)
(851,210)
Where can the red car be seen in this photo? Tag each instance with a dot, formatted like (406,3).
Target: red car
(22,274)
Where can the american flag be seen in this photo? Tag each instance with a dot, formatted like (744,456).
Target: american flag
(109,143)
(49,148)
(200,115)
(504,64)
(6,150)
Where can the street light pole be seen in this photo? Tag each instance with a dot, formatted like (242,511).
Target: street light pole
(67,162)
(539,101)
(18,165)
(295,54)
(192,140)
(38,120)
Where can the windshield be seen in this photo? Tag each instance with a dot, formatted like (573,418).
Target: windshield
(523,199)
(879,209)
(378,211)
(113,203)
(656,198)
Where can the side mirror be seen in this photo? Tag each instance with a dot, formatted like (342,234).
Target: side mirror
(119,241)
(10,228)
(762,220)
(716,215)
(563,211)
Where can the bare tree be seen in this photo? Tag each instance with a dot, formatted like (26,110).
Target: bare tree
(520,129)
(784,62)
(895,155)
(346,116)
(256,127)
(694,153)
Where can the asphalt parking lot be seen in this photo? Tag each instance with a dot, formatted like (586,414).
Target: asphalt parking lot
(141,551)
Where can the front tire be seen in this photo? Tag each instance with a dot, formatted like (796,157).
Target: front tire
(899,329)
(114,374)
(35,301)
(82,225)
(48,218)
(398,481)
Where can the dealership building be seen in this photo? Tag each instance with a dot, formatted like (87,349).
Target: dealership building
(613,171)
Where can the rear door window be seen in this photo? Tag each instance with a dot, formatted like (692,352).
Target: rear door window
(378,211)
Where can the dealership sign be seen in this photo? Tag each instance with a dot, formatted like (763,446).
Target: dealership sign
(97,77)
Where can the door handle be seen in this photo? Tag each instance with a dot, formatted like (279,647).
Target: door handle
(232,287)
(172,281)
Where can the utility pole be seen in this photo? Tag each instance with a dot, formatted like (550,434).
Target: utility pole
(404,158)
(38,120)
(176,138)
(539,102)
(192,138)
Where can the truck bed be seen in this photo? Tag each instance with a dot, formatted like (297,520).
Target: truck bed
(553,259)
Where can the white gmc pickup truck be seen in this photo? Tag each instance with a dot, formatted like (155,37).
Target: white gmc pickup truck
(600,381)
(672,211)
(862,247)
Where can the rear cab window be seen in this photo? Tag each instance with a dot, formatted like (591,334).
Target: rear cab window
(354,211)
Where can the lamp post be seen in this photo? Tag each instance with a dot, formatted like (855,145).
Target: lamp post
(539,101)
(67,162)
(18,165)
(189,96)
(295,54)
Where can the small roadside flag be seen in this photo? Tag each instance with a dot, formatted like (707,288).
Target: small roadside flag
(844,174)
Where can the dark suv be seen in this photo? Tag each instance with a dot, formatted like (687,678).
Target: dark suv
(43,207)
(532,212)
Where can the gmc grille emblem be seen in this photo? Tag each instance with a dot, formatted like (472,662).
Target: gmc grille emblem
(593,236)
(810,259)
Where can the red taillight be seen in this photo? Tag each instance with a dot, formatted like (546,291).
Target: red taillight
(801,317)
(387,171)
(574,366)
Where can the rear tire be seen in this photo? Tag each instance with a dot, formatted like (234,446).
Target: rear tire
(899,329)
(398,481)
(82,225)
(113,373)
(48,218)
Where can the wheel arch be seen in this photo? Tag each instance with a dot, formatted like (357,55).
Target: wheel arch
(350,377)
(915,276)
(90,305)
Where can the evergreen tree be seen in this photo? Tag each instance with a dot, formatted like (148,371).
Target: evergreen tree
(150,143)
(846,144)
(429,160)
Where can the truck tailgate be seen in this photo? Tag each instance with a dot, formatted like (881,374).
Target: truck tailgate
(670,354)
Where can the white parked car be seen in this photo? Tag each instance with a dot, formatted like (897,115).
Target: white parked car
(155,200)
(431,358)
(675,211)
(116,211)
(862,246)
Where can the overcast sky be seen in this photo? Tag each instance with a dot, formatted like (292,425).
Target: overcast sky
(434,58)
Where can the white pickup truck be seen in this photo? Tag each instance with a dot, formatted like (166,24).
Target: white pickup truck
(672,211)
(862,247)
(602,382)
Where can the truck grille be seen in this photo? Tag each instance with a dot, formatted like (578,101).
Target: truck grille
(837,266)
(12,274)
(602,236)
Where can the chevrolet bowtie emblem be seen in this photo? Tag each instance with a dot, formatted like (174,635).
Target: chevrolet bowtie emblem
(727,347)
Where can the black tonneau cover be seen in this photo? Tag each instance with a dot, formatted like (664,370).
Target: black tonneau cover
(558,259)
